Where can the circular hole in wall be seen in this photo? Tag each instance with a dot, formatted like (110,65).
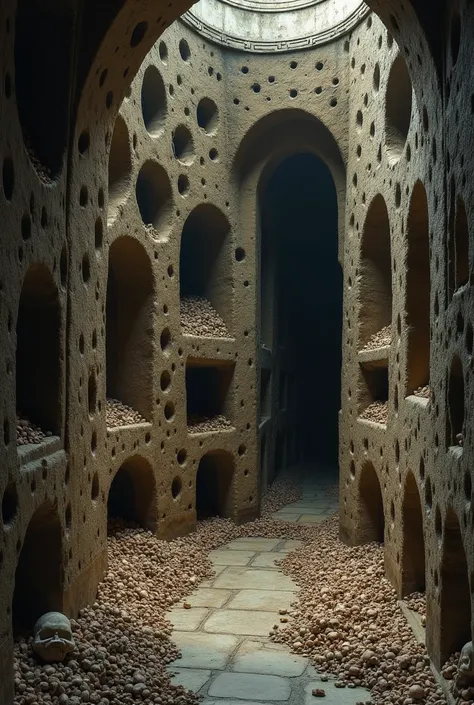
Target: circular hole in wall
(398,109)
(207,116)
(92,393)
(98,233)
(183,184)
(153,99)
(169,410)
(86,268)
(138,34)
(176,487)
(9,504)
(184,50)
(181,456)
(95,487)
(163,52)
(153,193)
(165,380)
(165,339)
(376,77)
(120,168)
(183,147)
(83,142)
(428,494)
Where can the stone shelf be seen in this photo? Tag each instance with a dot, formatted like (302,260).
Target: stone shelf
(414,399)
(378,357)
(373,424)
(35,451)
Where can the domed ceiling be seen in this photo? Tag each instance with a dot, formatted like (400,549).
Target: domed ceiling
(274,25)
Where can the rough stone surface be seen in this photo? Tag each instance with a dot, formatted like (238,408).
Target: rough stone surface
(104,161)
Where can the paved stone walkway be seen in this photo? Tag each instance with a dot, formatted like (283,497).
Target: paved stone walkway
(227,655)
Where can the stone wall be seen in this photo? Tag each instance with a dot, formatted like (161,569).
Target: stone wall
(125,161)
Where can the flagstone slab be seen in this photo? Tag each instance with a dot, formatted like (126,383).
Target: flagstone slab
(243,622)
(201,650)
(230,557)
(238,578)
(190,678)
(265,600)
(249,686)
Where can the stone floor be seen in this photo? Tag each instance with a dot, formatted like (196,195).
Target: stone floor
(227,656)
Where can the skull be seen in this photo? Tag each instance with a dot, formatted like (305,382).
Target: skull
(465,676)
(53,637)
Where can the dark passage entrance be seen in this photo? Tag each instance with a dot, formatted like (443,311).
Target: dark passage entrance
(300,314)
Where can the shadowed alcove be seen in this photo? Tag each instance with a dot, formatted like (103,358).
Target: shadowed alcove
(38,382)
(413,565)
(299,266)
(132,494)
(214,485)
(39,572)
(371,521)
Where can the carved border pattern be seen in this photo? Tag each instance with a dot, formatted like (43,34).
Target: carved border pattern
(272,5)
(267,47)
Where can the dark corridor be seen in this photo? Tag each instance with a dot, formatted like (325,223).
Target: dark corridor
(301,307)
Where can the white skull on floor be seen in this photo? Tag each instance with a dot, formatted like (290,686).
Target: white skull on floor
(53,637)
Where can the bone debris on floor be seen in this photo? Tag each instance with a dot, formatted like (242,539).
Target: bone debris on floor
(222,629)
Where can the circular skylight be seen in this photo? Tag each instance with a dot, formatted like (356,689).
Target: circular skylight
(268,26)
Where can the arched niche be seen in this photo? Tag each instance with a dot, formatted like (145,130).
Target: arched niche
(38,351)
(132,494)
(458,242)
(43,39)
(205,265)
(129,326)
(39,575)
(375,273)
(456,404)
(215,485)
(269,142)
(413,555)
(455,612)
(370,510)
(418,290)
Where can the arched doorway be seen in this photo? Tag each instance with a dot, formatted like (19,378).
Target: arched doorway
(132,494)
(214,485)
(301,313)
(371,518)
(455,590)
(39,572)
(413,560)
